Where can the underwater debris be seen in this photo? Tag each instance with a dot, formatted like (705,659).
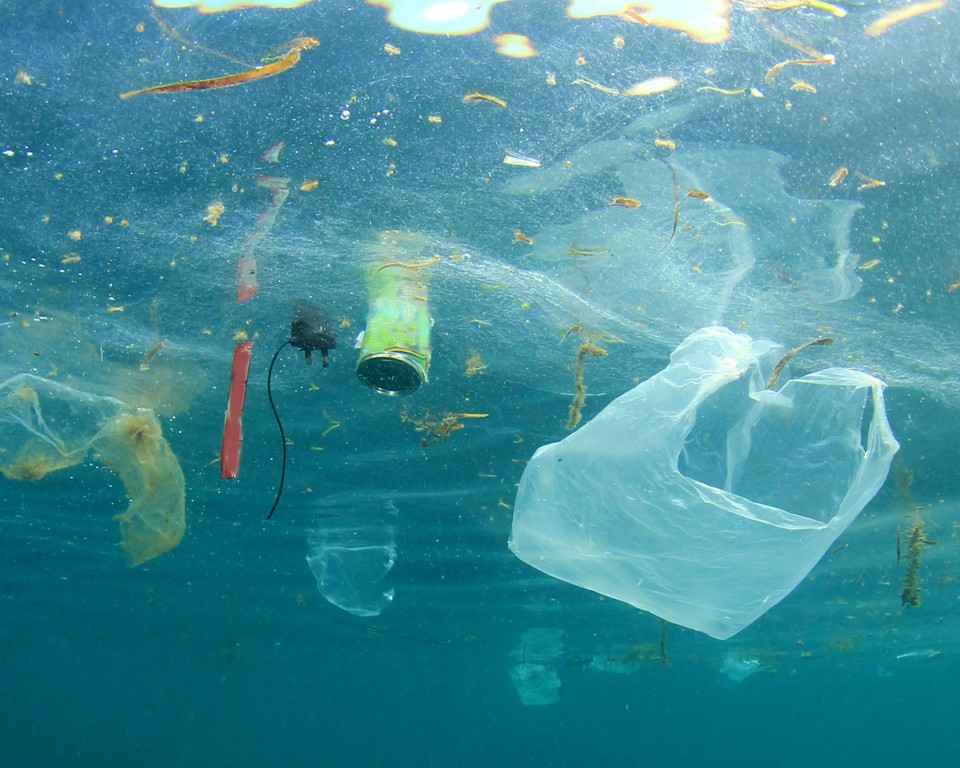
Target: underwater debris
(438,429)
(705,21)
(38,440)
(789,356)
(334,424)
(575,250)
(596,86)
(474,365)
(904,12)
(133,446)
(214,211)
(722,91)
(580,396)
(272,155)
(631,660)
(524,162)
(473,98)
(413,267)
(870,183)
(652,86)
(233,418)
(801,85)
(247,282)
(786,5)
(282,64)
(736,668)
(827,58)
(926,653)
(837,176)
(664,659)
(917,542)
(514,46)
(145,363)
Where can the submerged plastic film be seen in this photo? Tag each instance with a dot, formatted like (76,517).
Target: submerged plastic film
(535,677)
(700,495)
(46,426)
(351,564)
(133,446)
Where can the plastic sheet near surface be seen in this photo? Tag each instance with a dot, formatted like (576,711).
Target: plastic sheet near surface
(700,495)
(46,426)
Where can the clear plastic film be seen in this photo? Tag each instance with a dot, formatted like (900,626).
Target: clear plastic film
(701,495)
(352,552)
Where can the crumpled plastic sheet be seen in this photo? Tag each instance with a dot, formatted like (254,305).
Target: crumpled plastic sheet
(46,426)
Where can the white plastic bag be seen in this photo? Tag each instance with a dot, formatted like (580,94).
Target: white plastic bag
(700,495)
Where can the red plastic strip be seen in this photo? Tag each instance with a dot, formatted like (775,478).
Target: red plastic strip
(247,283)
(233,426)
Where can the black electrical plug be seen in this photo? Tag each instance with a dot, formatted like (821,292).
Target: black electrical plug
(310,332)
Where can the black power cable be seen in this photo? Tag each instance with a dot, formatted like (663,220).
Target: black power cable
(308,333)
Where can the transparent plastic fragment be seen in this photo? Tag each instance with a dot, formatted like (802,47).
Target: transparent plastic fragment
(536,684)
(350,564)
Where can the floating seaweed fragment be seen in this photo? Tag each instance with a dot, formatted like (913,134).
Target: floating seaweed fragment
(837,176)
(282,64)
(475,365)
(869,182)
(722,91)
(904,12)
(478,97)
(786,5)
(214,211)
(580,396)
(827,58)
(789,356)
(596,86)
(917,542)
(435,428)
